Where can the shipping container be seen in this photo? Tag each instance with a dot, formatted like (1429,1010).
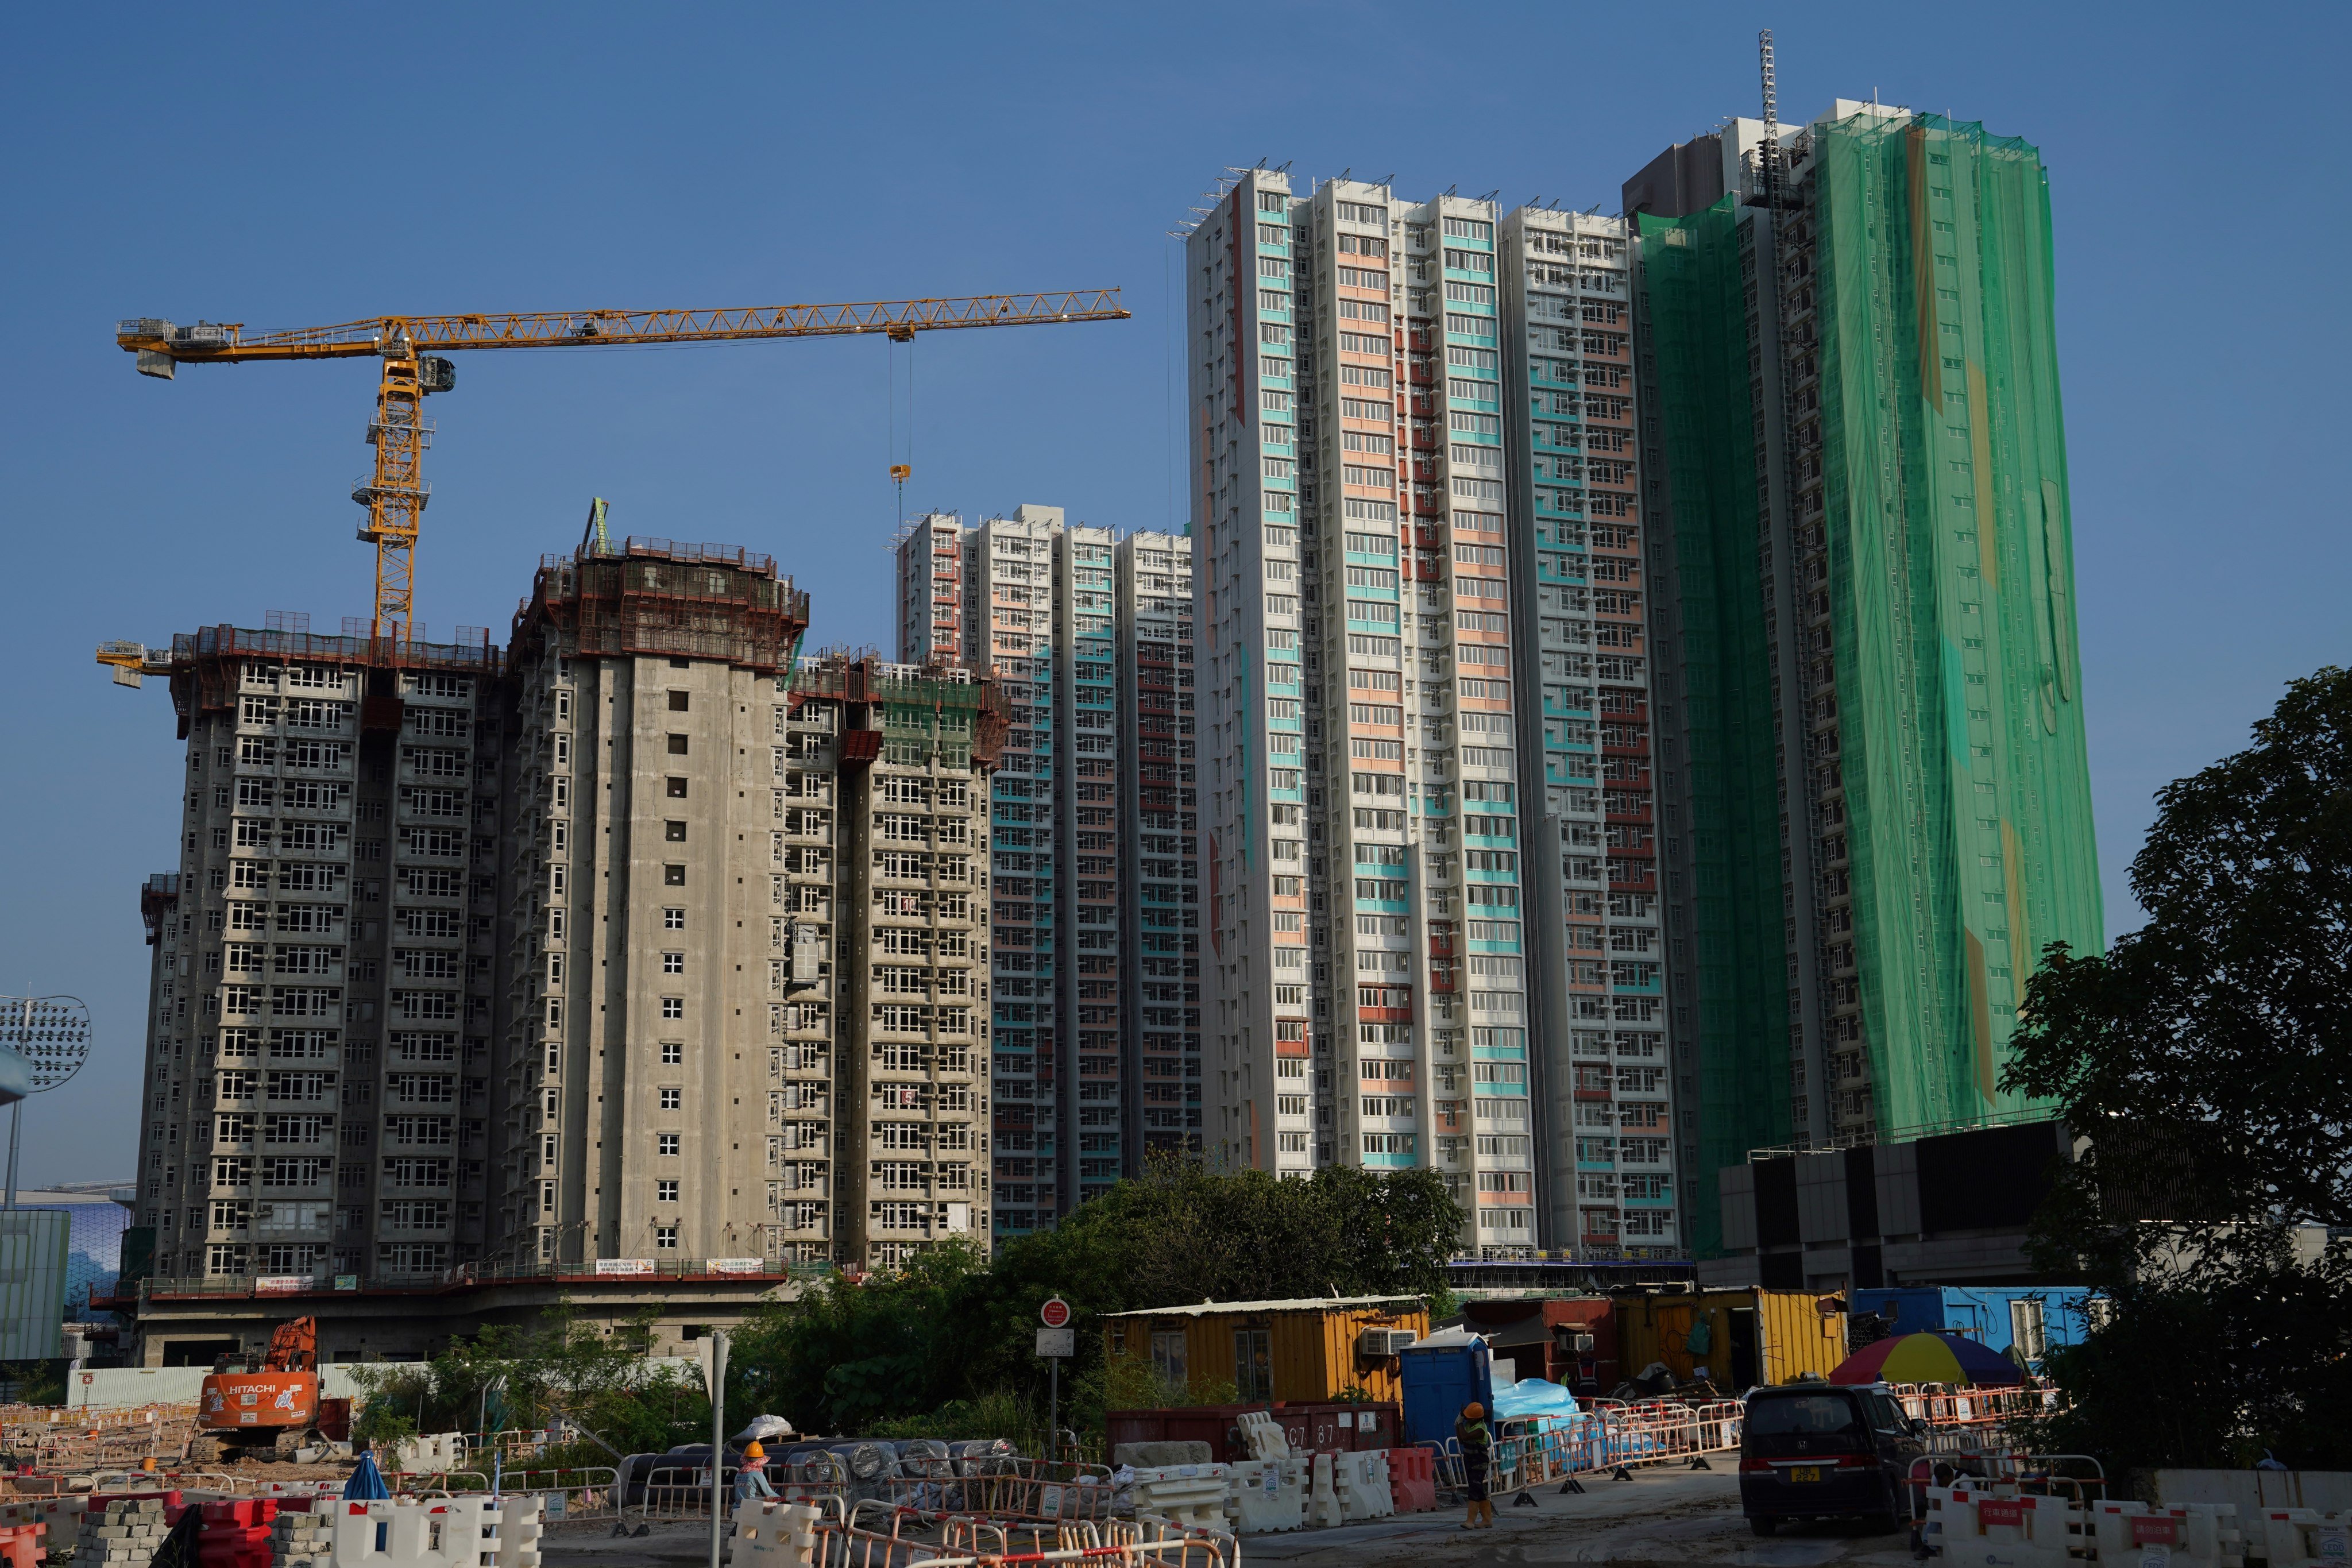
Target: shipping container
(1548,1338)
(1741,1338)
(1300,1351)
(2031,1318)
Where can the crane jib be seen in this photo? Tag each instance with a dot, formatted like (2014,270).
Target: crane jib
(396,492)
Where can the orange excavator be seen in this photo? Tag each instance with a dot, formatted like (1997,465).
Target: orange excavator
(272,1403)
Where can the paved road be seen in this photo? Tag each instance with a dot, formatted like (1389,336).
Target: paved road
(1661,1516)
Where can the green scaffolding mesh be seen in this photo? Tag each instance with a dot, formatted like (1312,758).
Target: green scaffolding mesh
(1952,567)
(1693,297)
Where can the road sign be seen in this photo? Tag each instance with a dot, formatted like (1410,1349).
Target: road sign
(1059,1343)
(1054,1314)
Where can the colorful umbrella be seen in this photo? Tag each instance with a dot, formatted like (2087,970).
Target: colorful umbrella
(1928,1358)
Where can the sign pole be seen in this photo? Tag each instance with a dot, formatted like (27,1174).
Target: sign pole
(1053,1406)
(1053,1342)
(716,1369)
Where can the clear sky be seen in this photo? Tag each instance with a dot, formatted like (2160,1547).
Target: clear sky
(293,165)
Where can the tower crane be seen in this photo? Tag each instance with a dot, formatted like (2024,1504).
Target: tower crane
(412,350)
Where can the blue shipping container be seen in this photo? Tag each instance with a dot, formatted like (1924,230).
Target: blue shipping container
(1994,1315)
(1438,1382)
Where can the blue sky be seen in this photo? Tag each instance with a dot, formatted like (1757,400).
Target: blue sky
(295,165)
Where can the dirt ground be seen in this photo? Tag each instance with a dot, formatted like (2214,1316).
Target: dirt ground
(1659,1517)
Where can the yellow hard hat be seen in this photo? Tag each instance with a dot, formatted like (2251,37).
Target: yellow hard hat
(753,1451)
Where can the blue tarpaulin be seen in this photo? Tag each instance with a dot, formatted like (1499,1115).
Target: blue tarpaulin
(1533,1396)
(366,1480)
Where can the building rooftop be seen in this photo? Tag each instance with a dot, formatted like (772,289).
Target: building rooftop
(1302,1304)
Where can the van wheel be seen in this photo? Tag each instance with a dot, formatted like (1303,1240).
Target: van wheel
(1764,1526)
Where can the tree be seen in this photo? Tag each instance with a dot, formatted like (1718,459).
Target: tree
(954,1332)
(2207,1057)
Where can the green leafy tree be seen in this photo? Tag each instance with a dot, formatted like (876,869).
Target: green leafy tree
(953,1336)
(2207,1057)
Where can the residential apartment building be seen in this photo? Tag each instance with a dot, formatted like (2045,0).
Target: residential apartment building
(637,942)
(1854,481)
(1058,615)
(928,561)
(1379,777)
(318,1091)
(1159,835)
(1612,1150)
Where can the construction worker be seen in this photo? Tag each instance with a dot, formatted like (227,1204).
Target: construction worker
(1477,1447)
(750,1476)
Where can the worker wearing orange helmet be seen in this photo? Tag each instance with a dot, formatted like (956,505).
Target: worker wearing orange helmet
(1477,1443)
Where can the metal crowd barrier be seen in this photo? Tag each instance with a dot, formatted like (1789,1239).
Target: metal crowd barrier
(859,1540)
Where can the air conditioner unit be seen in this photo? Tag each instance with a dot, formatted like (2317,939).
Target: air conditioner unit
(1379,1342)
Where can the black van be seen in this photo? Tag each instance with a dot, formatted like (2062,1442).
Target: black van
(1819,1450)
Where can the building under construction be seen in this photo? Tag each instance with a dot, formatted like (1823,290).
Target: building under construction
(640,945)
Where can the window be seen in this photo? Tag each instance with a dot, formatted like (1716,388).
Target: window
(671,1099)
(1253,1364)
(673,1007)
(673,875)
(665,1235)
(672,963)
(1168,1353)
(676,788)
(673,919)
(672,1053)
(666,1143)
(678,746)
(678,701)
(673,832)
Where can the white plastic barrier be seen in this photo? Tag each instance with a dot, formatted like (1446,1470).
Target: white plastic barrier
(519,1522)
(2196,1535)
(774,1534)
(1264,1434)
(1192,1496)
(1970,1524)
(437,1452)
(1361,1481)
(1322,1500)
(421,1532)
(1269,1495)
(2306,1537)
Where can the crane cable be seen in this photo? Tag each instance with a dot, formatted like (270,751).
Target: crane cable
(902,471)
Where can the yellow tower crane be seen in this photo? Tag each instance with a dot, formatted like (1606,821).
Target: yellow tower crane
(395,494)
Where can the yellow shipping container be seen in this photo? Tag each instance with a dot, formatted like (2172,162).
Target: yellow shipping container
(1745,1337)
(1309,1349)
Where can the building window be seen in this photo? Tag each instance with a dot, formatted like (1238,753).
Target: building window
(1253,1364)
(673,1053)
(678,701)
(676,789)
(672,963)
(670,1098)
(673,832)
(666,1143)
(673,919)
(665,1235)
(673,875)
(673,1006)
(678,746)
(1169,1351)
(665,1192)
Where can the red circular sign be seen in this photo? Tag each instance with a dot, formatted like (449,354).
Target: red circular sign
(1055,1313)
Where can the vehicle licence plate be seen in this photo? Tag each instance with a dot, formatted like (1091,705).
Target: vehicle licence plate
(1805,1472)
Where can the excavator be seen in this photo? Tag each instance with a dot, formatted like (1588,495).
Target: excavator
(270,1406)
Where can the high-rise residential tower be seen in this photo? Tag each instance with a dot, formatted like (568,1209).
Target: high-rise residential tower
(1412,482)
(1159,829)
(1611,1149)
(1856,486)
(319,1084)
(1089,999)
(636,942)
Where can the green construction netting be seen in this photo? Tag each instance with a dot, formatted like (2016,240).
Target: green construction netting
(1692,282)
(1958,689)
